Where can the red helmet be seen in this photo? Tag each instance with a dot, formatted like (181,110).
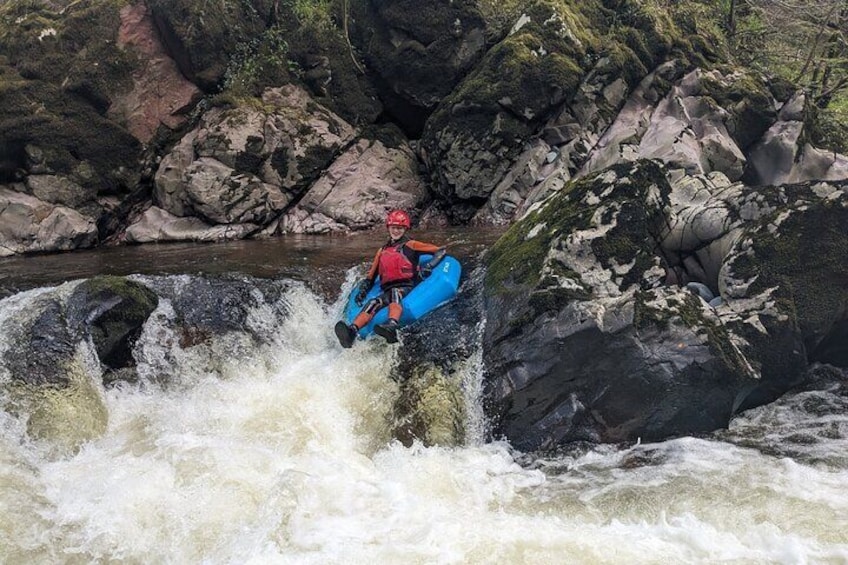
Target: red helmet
(398,218)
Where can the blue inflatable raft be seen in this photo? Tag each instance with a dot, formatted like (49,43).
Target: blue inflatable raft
(429,294)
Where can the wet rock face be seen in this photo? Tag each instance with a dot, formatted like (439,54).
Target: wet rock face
(476,133)
(359,188)
(160,94)
(111,310)
(208,307)
(419,50)
(591,335)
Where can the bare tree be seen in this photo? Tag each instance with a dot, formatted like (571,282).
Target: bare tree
(805,41)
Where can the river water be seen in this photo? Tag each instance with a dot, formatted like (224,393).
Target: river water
(288,456)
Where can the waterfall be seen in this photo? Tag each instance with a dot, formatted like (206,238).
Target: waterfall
(269,443)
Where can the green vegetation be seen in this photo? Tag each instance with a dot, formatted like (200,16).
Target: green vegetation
(258,62)
(75,49)
(804,43)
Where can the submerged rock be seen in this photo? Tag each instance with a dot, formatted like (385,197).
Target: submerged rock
(58,348)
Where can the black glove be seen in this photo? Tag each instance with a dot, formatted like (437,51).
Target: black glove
(428,267)
(362,290)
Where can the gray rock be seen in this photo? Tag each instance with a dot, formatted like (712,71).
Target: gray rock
(155,224)
(245,166)
(586,340)
(359,188)
(29,225)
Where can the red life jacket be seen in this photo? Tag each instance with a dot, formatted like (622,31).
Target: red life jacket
(395,266)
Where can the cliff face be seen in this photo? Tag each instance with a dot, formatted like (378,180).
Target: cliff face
(472,109)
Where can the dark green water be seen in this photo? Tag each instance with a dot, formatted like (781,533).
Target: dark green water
(320,260)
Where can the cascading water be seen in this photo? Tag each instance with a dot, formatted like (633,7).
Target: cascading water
(282,450)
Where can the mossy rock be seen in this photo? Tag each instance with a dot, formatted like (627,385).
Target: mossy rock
(75,48)
(114,310)
(63,70)
(828,129)
(692,312)
(804,258)
(203,36)
(518,257)
(747,98)
(65,417)
(66,136)
(348,91)
(430,408)
(272,44)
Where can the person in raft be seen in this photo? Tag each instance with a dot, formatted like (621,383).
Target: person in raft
(396,263)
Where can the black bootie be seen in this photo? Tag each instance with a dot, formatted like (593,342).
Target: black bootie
(387,330)
(346,334)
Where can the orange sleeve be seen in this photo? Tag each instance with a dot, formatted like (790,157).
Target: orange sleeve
(422,247)
(372,272)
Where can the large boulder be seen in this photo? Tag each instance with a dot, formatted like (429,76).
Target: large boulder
(245,165)
(109,310)
(687,128)
(372,177)
(561,74)
(112,311)
(593,335)
(28,224)
(784,281)
(472,139)
(63,342)
(209,326)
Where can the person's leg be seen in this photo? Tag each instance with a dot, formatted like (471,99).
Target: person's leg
(371,308)
(395,304)
(389,329)
(347,333)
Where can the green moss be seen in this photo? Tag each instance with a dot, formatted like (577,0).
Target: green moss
(814,287)
(748,100)
(522,78)
(69,132)
(138,302)
(828,129)
(519,256)
(430,409)
(75,49)
(65,417)
(518,74)
(553,300)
